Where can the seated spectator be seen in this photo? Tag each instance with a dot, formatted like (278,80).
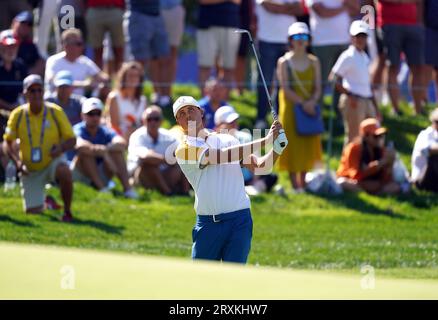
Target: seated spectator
(86,74)
(100,151)
(64,97)
(40,159)
(226,121)
(27,50)
(425,157)
(352,75)
(150,148)
(366,164)
(215,95)
(125,105)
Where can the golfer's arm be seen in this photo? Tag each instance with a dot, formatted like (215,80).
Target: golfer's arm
(265,163)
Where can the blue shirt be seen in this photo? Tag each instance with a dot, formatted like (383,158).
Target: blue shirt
(225,14)
(11,81)
(73,108)
(169,4)
(149,7)
(204,103)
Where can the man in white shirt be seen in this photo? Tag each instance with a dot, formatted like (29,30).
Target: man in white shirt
(150,148)
(273,19)
(86,74)
(353,81)
(212,164)
(425,157)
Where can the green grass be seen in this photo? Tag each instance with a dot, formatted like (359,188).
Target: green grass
(396,235)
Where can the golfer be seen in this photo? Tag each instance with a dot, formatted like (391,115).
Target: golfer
(212,164)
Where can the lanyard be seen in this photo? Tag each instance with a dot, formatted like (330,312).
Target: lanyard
(29,133)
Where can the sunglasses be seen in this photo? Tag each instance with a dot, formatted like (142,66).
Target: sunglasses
(94,114)
(302,36)
(155,119)
(35,90)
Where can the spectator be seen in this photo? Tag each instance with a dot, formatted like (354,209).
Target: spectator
(425,157)
(40,159)
(149,151)
(329,22)
(9,9)
(431,41)
(300,82)
(106,16)
(146,34)
(127,103)
(352,75)
(86,74)
(100,151)
(402,33)
(273,19)
(214,98)
(64,97)
(366,164)
(27,50)
(226,121)
(173,14)
(216,40)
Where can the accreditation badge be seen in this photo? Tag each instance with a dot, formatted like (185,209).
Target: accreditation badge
(35,155)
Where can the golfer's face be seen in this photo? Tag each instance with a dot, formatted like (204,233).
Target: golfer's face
(189,114)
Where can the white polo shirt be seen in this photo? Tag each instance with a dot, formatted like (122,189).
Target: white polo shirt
(353,66)
(140,142)
(425,140)
(329,31)
(218,188)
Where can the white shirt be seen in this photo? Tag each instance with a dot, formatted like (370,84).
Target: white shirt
(129,110)
(218,188)
(353,66)
(329,31)
(273,27)
(81,69)
(140,142)
(425,140)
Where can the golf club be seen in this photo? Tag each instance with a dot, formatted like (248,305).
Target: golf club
(274,114)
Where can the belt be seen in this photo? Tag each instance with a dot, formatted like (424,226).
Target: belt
(222,216)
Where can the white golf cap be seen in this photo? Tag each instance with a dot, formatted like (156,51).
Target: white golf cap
(225,114)
(30,80)
(298,28)
(358,27)
(92,104)
(182,102)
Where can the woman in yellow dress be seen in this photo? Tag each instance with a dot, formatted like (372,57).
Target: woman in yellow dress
(299,75)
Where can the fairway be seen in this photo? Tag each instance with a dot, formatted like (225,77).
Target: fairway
(42,272)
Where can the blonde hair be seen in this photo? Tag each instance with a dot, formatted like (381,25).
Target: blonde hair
(70,32)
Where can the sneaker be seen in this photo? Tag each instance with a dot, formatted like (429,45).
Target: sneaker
(51,204)
(131,194)
(67,217)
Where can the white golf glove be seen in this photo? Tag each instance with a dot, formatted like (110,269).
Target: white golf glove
(281,140)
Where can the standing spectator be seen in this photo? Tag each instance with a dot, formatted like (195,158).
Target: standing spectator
(45,134)
(64,97)
(27,50)
(425,156)
(9,9)
(402,33)
(150,148)
(214,98)
(126,104)
(173,14)
(300,82)
(273,19)
(366,164)
(330,22)
(431,41)
(146,34)
(100,151)
(86,74)
(216,40)
(106,16)
(352,75)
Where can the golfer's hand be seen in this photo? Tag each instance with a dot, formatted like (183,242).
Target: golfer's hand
(275,129)
(280,143)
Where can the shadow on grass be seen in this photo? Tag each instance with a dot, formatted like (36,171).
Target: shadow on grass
(5,218)
(102,226)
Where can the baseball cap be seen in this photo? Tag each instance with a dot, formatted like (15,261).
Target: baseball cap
(298,28)
(92,104)
(31,80)
(24,16)
(63,78)
(371,126)
(7,38)
(225,114)
(184,101)
(358,27)
(434,115)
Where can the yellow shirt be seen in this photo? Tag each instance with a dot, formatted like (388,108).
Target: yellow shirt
(56,130)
